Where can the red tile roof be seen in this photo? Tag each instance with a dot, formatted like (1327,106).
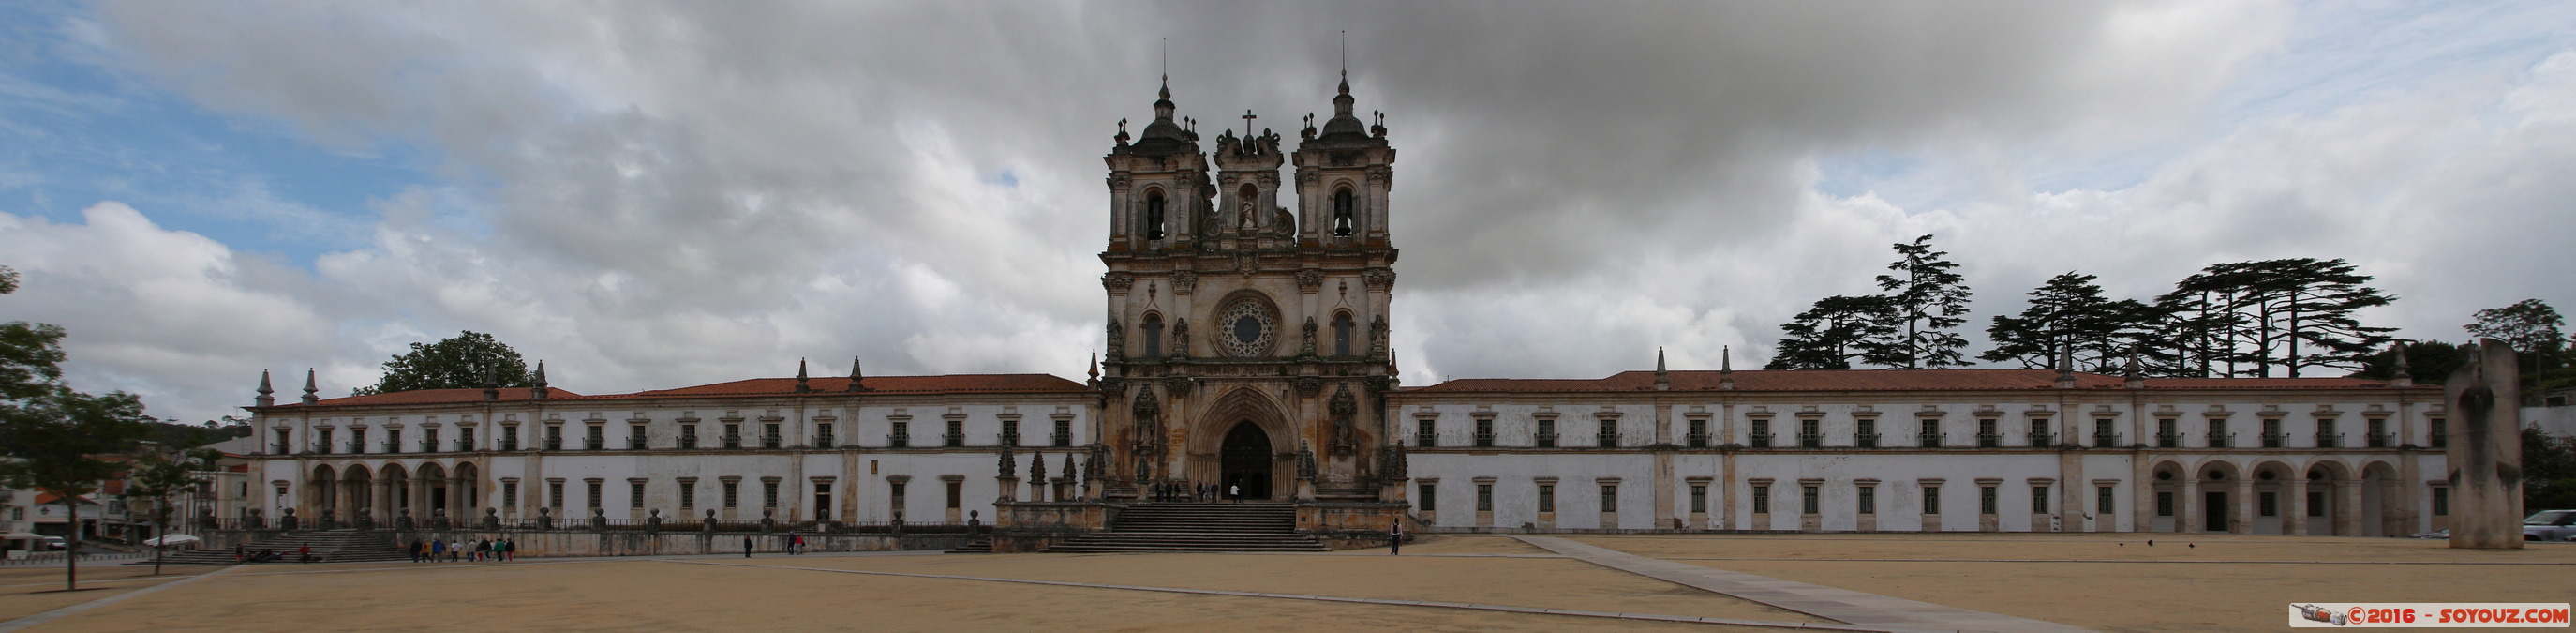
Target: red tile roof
(1875,380)
(965,383)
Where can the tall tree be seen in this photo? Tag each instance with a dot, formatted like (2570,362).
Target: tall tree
(2247,318)
(1832,333)
(2317,300)
(1927,301)
(159,476)
(468,360)
(50,433)
(2532,328)
(2069,313)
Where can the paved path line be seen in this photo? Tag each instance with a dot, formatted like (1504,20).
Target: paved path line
(49,616)
(2117,560)
(1865,609)
(1650,617)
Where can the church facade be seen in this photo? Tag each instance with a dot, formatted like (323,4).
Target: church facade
(1248,289)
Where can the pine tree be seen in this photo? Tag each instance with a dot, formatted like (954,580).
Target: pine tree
(2070,313)
(1926,303)
(1832,333)
(2245,318)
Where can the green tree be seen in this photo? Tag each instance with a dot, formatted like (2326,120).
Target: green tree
(158,476)
(2246,318)
(1832,333)
(2428,362)
(1927,301)
(2536,332)
(52,434)
(2070,313)
(2548,470)
(469,360)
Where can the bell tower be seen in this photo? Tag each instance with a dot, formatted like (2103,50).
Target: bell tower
(1247,337)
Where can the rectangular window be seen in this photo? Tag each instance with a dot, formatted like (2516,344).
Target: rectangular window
(956,494)
(393,440)
(823,435)
(2218,435)
(2168,433)
(2270,503)
(895,498)
(1985,499)
(1430,497)
(733,436)
(429,440)
(2103,436)
(598,438)
(1063,433)
(733,494)
(554,494)
(635,495)
(1761,433)
(1807,500)
(465,438)
(2378,428)
(769,437)
(358,441)
(2103,501)
(2326,435)
(688,436)
(688,494)
(1426,432)
(1698,434)
(768,494)
(1484,433)
(282,446)
(901,436)
(1986,436)
(1609,497)
(1609,433)
(1484,497)
(1699,499)
(592,491)
(2441,501)
(1928,434)
(1547,434)
(1761,499)
(1867,434)
(1808,434)
(2438,432)
(2164,503)
(1869,500)
(956,433)
(2038,499)
(1931,499)
(554,437)
(2316,504)
(635,437)
(325,434)
(2272,433)
(510,493)
(1547,497)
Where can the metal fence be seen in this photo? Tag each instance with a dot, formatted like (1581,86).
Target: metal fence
(589,524)
(56,558)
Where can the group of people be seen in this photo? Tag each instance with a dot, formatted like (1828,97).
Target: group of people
(437,550)
(1183,490)
(242,555)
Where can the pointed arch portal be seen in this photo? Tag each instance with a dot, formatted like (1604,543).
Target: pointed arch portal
(1245,460)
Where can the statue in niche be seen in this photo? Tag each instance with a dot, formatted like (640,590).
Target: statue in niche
(1344,407)
(1245,220)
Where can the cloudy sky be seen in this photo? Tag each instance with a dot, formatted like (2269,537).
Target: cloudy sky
(657,194)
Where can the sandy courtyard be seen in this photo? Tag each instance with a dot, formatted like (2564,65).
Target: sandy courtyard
(2105,582)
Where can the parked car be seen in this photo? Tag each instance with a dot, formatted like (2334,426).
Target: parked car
(2550,525)
(50,544)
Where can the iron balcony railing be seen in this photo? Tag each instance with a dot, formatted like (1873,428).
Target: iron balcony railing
(2329,440)
(1484,439)
(1426,439)
(2222,440)
(1546,440)
(954,439)
(1865,440)
(899,440)
(2274,440)
(1989,440)
(2168,440)
(688,441)
(2042,439)
(1698,440)
(1010,438)
(635,443)
(1927,440)
(357,447)
(2382,440)
(733,440)
(2106,440)
(1760,440)
(1811,440)
(1609,439)
(770,441)
(1060,440)
(595,443)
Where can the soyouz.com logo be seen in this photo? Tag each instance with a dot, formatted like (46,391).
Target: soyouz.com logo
(2496,615)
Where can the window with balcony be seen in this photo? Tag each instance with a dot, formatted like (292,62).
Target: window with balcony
(282,447)
(1867,434)
(429,440)
(1609,433)
(636,438)
(393,440)
(732,436)
(2272,435)
(2326,435)
(324,440)
(2219,437)
(358,441)
(2039,433)
(2437,432)
(1928,434)
(464,438)
(1809,436)
(823,435)
(1546,433)
(1426,432)
(597,437)
(2378,428)
(1063,433)
(1761,437)
(688,436)
(769,436)
(1010,433)
(1484,433)
(1698,437)
(2168,433)
(901,436)
(1986,435)
(2103,434)
(554,437)
(956,434)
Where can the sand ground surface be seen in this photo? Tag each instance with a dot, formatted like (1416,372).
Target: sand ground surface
(2106,582)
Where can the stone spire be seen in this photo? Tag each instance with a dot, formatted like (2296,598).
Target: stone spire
(801,386)
(2134,377)
(2403,378)
(1095,368)
(310,393)
(1037,469)
(538,390)
(1726,368)
(855,377)
(2066,368)
(1663,380)
(267,396)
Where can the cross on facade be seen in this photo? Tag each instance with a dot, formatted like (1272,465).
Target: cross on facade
(1247,123)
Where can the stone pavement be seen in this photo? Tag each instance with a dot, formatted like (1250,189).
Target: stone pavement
(1842,605)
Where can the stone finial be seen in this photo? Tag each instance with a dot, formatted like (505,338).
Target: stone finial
(1095,368)
(1726,368)
(2066,368)
(856,378)
(2134,377)
(311,394)
(538,391)
(1068,476)
(1037,468)
(2403,378)
(801,386)
(1010,465)
(267,396)
(1663,380)
(491,386)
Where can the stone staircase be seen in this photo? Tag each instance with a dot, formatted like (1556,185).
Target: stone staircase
(1197,527)
(336,546)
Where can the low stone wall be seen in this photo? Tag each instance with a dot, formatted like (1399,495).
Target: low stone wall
(1352,516)
(540,544)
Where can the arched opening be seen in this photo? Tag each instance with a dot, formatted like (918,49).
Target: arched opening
(1244,460)
(398,495)
(318,491)
(2220,492)
(1153,336)
(434,495)
(2331,494)
(1342,327)
(1345,219)
(463,489)
(2165,492)
(357,487)
(2382,501)
(2272,502)
(1154,215)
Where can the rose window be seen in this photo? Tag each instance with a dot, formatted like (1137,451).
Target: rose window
(1247,328)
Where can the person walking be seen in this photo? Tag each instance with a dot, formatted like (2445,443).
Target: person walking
(304,552)
(438,550)
(415,550)
(746,547)
(1395,537)
(1234,492)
